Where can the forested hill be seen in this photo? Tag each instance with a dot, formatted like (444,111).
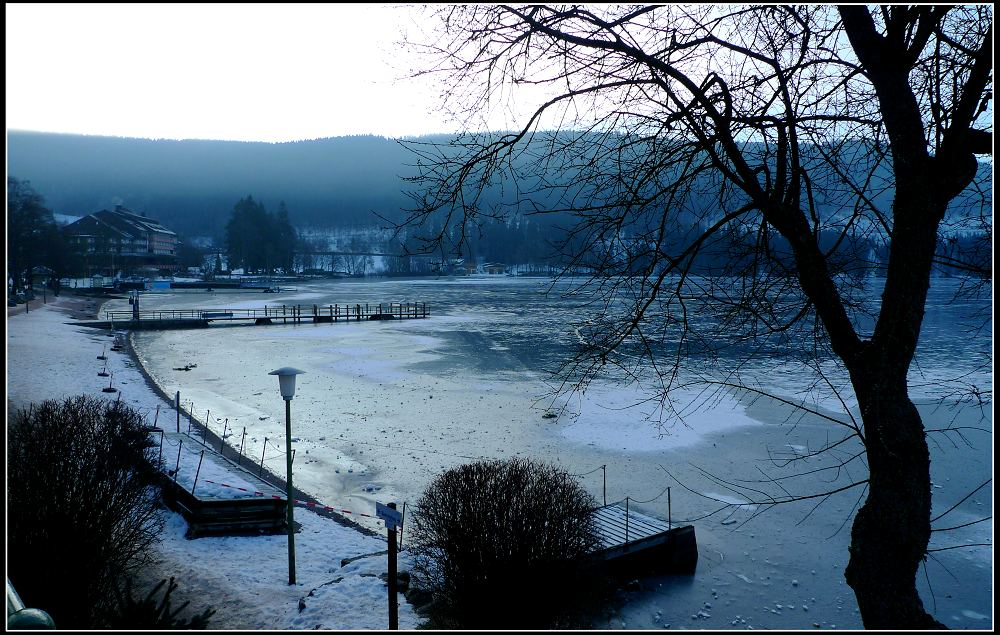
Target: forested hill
(192,185)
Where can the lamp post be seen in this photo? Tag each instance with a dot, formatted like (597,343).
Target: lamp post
(286,383)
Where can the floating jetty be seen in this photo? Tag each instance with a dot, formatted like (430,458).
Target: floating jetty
(634,542)
(276,314)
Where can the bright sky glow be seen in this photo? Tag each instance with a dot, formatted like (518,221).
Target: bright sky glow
(249,72)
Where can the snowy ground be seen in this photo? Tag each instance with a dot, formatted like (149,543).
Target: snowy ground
(245,579)
(783,570)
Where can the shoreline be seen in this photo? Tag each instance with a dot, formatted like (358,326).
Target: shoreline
(770,563)
(213,440)
(242,578)
(66,298)
(83,307)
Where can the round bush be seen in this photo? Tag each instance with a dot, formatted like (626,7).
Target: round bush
(82,506)
(502,544)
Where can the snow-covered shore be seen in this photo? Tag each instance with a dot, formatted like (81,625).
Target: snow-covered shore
(782,570)
(245,579)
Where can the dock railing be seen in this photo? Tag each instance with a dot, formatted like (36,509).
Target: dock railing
(296,313)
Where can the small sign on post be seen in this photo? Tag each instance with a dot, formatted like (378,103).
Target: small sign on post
(393,519)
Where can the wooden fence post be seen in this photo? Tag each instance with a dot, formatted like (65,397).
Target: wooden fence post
(393,599)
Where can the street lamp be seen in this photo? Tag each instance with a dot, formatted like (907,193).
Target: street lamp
(286,384)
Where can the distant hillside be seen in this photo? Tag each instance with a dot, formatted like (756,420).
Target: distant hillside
(192,185)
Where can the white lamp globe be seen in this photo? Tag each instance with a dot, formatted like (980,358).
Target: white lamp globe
(286,381)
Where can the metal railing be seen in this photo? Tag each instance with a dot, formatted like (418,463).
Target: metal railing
(332,312)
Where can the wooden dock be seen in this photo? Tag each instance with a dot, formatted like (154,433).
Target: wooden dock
(637,542)
(275,314)
(249,506)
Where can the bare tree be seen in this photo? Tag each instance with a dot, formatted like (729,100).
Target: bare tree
(728,176)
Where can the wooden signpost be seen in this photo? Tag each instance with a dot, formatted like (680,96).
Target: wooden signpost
(393,519)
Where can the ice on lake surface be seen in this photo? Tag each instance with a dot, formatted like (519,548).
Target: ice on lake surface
(384,407)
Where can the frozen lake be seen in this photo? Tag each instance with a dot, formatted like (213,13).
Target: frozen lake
(384,407)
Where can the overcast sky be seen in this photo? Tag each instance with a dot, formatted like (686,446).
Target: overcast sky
(250,72)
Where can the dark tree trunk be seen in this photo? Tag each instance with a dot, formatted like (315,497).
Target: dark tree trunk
(891,530)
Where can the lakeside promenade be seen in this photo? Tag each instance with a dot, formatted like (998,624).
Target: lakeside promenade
(243,578)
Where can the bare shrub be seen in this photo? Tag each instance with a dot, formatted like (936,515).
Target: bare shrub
(82,506)
(150,613)
(503,544)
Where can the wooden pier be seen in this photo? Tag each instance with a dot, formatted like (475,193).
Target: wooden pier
(634,542)
(275,314)
(220,515)
(255,507)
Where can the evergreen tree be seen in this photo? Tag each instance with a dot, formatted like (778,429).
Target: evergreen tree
(258,241)
(33,238)
(285,239)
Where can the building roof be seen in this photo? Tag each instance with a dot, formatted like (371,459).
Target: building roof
(121,221)
(91,224)
(128,221)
